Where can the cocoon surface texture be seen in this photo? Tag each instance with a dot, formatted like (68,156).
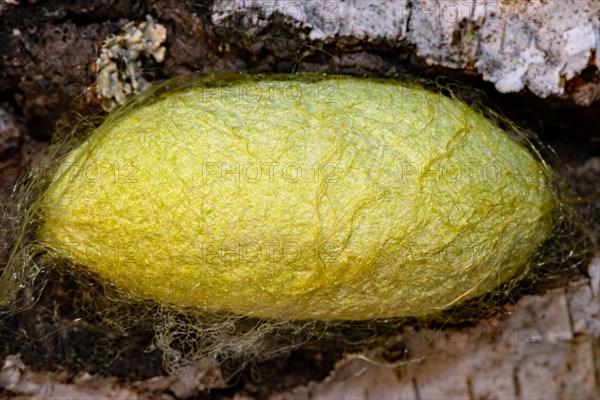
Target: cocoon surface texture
(332,198)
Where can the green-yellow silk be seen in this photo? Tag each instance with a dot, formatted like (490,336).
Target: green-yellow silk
(335,198)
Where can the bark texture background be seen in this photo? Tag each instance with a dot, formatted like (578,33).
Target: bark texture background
(538,45)
(543,55)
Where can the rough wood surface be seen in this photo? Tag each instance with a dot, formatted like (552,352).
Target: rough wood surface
(538,45)
(547,348)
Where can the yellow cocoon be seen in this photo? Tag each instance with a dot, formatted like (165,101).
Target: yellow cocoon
(331,198)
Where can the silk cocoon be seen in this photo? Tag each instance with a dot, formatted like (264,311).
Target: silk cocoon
(331,198)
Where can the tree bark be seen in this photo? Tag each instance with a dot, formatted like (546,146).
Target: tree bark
(546,52)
